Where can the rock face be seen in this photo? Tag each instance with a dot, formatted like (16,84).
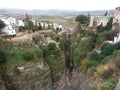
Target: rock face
(33,82)
(29,78)
(2,87)
(73,81)
(118,86)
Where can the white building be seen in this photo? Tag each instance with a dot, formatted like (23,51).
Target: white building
(117,38)
(57,26)
(9,29)
(20,23)
(97,20)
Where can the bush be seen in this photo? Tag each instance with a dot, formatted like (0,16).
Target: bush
(108,49)
(21,28)
(2,24)
(105,71)
(37,38)
(31,55)
(2,57)
(51,46)
(109,84)
(94,56)
(117,45)
(56,38)
(85,64)
(28,55)
(100,28)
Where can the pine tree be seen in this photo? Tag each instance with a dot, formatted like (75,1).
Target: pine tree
(28,23)
(109,24)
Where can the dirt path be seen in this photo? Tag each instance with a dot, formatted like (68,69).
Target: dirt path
(22,38)
(25,36)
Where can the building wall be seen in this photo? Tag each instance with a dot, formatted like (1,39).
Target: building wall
(104,21)
(117,15)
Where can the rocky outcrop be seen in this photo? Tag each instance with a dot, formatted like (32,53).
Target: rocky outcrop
(29,78)
(118,85)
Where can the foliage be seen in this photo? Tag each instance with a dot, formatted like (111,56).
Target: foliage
(109,84)
(105,71)
(40,27)
(116,54)
(85,65)
(106,13)
(100,28)
(82,19)
(2,57)
(95,57)
(50,34)
(35,28)
(56,38)
(117,46)
(29,25)
(51,46)
(109,24)
(108,49)
(2,24)
(21,28)
(45,51)
(29,55)
(52,56)
(21,56)
(63,42)
(105,36)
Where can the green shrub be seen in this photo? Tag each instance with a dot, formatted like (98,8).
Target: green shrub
(21,28)
(2,57)
(108,49)
(51,46)
(94,56)
(31,55)
(28,55)
(109,84)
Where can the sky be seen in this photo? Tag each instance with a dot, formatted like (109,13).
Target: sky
(80,5)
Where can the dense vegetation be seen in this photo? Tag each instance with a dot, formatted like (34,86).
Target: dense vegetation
(85,51)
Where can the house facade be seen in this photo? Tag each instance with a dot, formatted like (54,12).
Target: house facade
(97,20)
(9,29)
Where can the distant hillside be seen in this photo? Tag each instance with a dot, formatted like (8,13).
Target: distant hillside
(51,12)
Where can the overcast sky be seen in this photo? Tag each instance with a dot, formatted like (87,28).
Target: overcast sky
(80,5)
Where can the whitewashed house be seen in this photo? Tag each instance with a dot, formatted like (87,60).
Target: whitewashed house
(117,38)
(20,23)
(57,26)
(9,29)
